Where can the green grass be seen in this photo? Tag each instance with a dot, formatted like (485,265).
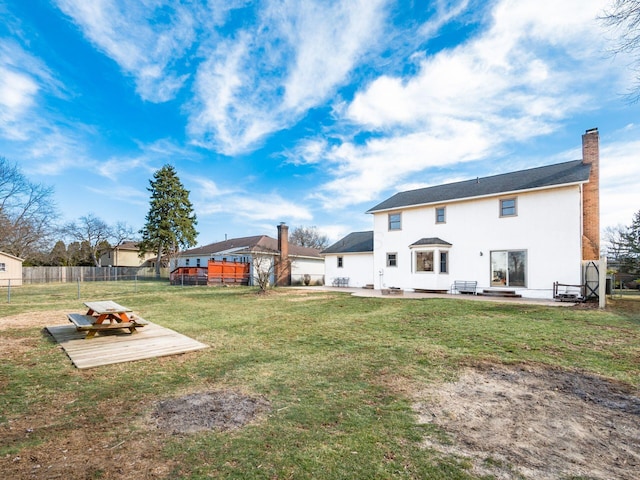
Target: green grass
(338,371)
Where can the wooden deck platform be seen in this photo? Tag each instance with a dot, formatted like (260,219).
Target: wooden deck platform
(117,346)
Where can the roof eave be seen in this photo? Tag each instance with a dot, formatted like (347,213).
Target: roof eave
(464,199)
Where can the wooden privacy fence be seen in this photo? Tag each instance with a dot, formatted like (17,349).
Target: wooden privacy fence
(88,274)
(229,272)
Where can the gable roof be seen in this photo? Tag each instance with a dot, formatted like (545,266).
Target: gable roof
(247,245)
(430,241)
(8,255)
(127,245)
(534,178)
(355,242)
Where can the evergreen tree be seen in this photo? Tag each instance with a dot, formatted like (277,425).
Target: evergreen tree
(631,242)
(170,223)
(58,256)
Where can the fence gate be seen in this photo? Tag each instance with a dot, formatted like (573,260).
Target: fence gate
(591,279)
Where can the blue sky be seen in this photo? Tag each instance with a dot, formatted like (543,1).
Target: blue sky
(307,112)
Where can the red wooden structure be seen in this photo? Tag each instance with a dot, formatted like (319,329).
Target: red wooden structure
(223,272)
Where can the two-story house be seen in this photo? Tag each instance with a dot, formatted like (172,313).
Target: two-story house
(520,231)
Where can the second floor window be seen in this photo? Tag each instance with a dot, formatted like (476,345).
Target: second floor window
(508,207)
(440,215)
(395,221)
(339,262)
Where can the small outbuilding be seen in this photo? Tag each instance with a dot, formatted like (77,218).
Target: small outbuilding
(10,270)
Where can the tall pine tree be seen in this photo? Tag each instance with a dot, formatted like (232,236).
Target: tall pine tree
(631,242)
(170,223)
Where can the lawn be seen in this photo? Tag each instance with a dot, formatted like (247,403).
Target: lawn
(340,376)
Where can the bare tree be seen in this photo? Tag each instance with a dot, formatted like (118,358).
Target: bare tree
(263,270)
(308,237)
(94,231)
(623,18)
(27,213)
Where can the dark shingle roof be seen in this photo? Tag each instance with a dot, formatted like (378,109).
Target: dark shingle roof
(430,241)
(355,242)
(255,243)
(540,177)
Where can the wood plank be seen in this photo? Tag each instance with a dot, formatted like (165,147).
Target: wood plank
(106,306)
(114,346)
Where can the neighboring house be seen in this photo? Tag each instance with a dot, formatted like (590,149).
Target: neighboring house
(127,254)
(519,231)
(349,261)
(10,270)
(288,263)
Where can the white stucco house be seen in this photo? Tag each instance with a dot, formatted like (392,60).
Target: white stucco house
(349,261)
(518,232)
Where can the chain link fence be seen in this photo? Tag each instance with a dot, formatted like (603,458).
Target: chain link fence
(31,275)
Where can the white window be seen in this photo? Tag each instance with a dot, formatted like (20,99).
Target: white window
(508,207)
(395,221)
(3,267)
(392,259)
(340,262)
(444,262)
(441,216)
(509,268)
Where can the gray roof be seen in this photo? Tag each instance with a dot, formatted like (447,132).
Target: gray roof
(248,245)
(355,242)
(430,241)
(552,175)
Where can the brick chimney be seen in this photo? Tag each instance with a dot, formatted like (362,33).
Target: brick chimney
(283,266)
(591,196)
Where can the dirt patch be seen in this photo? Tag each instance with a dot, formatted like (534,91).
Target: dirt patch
(222,410)
(534,422)
(34,319)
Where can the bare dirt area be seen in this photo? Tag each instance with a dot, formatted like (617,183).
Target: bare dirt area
(34,319)
(108,450)
(222,410)
(534,422)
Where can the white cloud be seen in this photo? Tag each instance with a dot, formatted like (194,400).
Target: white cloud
(17,95)
(23,79)
(254,207)
(514,80)
(267,75)
(327,42)
(619,174)
(138,37)
(307,152)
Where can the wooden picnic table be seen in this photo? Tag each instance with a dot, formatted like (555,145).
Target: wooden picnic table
(104,315)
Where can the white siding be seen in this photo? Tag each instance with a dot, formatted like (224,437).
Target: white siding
(358,267)
(11,274)
(547,227)
(313,267)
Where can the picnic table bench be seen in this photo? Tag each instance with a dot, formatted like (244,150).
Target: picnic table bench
(105,315)
(464,286)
